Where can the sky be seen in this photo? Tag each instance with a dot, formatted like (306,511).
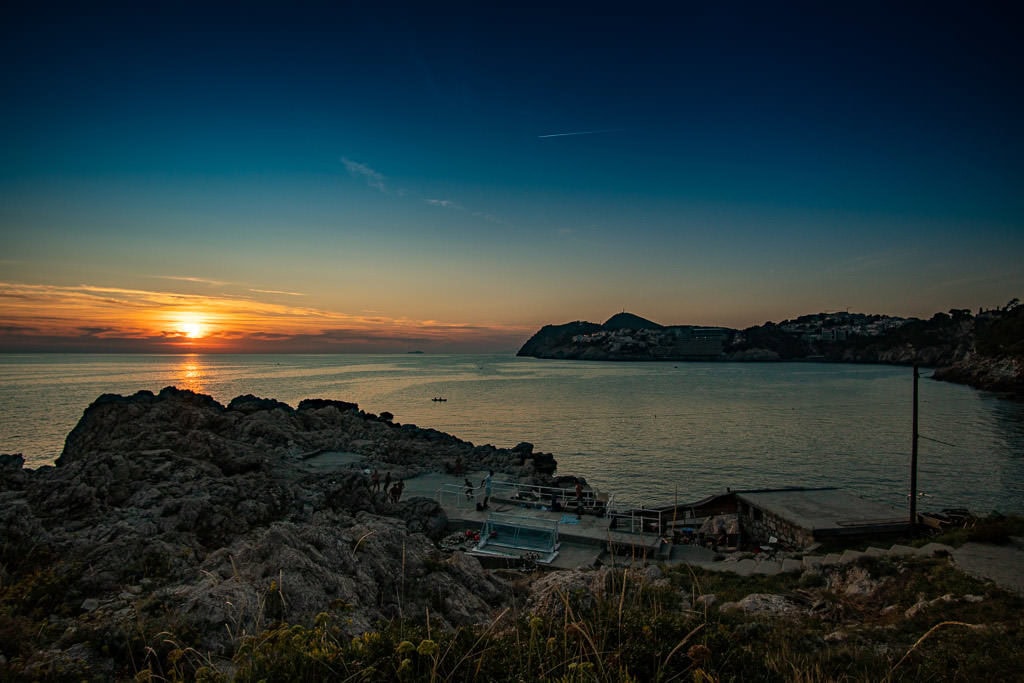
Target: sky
(449,177)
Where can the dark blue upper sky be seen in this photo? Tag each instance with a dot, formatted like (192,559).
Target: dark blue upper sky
(727,165)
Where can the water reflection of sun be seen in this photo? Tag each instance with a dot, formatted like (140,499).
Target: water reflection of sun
(191,374)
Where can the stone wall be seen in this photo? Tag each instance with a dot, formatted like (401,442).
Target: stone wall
(760,525)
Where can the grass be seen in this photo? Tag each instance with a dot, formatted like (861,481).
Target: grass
(628,628)
(633,630)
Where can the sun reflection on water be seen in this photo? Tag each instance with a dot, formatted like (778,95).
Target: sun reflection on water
(191,374)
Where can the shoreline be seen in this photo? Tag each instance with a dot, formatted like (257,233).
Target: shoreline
(170,516)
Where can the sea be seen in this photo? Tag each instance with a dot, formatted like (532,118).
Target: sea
(648,433)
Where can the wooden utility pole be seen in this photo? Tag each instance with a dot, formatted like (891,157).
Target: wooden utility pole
(913,459)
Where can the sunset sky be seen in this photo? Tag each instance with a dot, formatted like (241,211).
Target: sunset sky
(180,176)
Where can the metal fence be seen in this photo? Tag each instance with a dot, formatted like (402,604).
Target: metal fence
(526,495)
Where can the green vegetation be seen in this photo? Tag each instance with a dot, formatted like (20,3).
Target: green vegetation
(772,337)
(994,528)
(941,340)
(1002,335)
(635,629)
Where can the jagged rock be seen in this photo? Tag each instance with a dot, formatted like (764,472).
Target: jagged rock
(319,403)
(653,573)
(983,372)
(15,461)
(706,600)
(854,581)
(923,605)
(208,514)
(580,588)
(763,603)
(249,404)
(544,463)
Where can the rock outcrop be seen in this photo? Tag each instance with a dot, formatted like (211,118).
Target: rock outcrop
(626,337)
(982,372)
(172,513)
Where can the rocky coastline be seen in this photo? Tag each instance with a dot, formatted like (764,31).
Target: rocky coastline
(1004,374)
(180,539)
(985,351)
(172,512)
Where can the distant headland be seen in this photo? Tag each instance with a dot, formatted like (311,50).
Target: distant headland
(984,350)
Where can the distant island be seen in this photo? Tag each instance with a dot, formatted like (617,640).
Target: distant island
(985,350)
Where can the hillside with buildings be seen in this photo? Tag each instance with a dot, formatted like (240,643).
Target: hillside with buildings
(985,349)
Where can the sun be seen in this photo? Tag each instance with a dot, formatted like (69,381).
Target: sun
(192,327)
(192,330)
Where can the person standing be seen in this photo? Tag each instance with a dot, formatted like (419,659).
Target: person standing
(396,491)
(375,480)
(469,489)
(487,483)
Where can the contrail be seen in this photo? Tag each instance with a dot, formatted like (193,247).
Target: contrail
(580,132)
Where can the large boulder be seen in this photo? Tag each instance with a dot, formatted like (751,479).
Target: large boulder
(170,512)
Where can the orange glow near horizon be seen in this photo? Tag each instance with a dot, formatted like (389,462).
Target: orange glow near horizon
(85,317)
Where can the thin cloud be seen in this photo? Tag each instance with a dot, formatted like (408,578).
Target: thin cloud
(445,203)
(1001,278)
(579,132)
(197,280)
(358,170)
(95,331)
(276,291)
(377,181)
(18,329)
(490,218)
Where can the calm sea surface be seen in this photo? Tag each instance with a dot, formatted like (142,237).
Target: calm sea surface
(646,431)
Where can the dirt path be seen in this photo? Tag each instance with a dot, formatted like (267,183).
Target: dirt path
(1002,564)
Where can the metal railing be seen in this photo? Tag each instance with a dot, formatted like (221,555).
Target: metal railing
(625,516)
(531,495)
(638,519)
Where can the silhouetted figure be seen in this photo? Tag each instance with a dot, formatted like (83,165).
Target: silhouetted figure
(487,483)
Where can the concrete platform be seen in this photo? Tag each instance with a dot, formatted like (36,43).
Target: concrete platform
(828,511)
(586,540)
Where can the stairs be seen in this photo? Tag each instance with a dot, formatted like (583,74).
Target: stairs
(771,567)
